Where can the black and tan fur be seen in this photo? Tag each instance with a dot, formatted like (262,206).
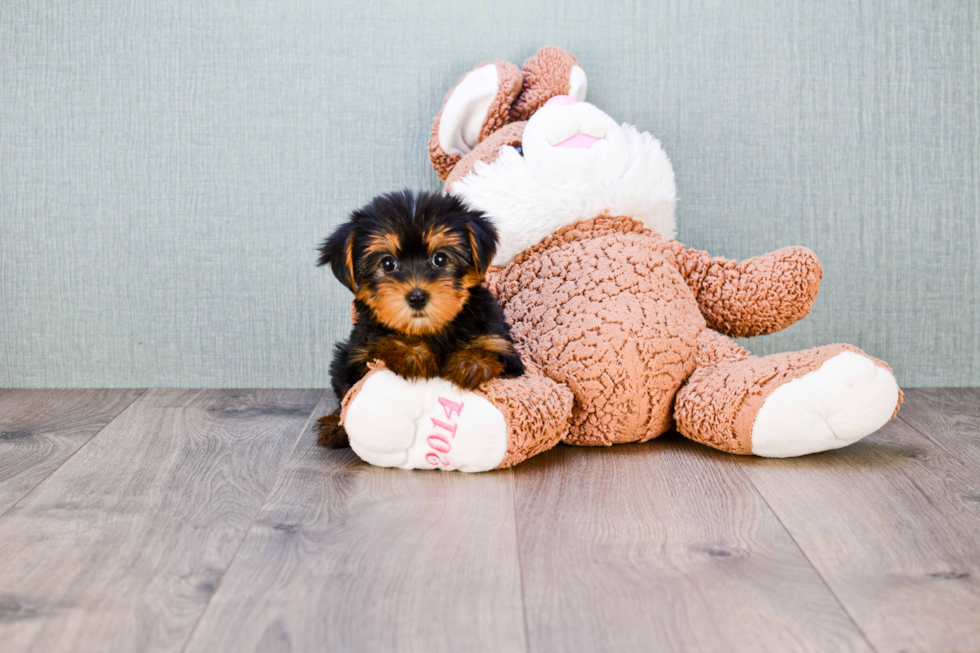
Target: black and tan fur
(402,244)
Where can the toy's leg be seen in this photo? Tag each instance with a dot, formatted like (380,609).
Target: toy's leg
(433,424)
(783,405)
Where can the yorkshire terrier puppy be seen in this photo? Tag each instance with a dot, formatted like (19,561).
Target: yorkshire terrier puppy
(416,265)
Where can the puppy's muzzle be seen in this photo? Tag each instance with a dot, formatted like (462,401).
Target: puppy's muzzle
(417,299)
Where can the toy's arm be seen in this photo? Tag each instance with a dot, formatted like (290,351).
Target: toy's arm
(753,297)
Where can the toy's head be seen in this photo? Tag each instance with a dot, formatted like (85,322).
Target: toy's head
(522,145)
(412,259)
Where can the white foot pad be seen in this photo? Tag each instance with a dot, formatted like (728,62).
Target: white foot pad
(430,424)
(845,399)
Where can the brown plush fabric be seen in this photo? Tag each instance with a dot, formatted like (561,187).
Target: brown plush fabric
(753,297)
(602,311)
(487,151)
(618,315)
(719,404)
(510,80)
(536,410)
(714,349)
(546,74)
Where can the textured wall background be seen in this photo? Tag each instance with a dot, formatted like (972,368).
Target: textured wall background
(166,170)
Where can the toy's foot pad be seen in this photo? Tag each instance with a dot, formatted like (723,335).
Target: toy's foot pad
(426,424)
(845,399)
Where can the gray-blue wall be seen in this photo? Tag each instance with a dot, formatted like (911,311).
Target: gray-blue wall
(167,169)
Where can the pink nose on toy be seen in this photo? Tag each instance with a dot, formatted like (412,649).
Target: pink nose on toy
(561,100)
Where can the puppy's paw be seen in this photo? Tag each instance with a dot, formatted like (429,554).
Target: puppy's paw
(471,368)
(330,433)
(408,357)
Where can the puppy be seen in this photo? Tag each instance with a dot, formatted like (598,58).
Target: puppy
(415,264)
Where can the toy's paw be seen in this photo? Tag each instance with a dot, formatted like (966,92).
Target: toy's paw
(840,402)
(424,424)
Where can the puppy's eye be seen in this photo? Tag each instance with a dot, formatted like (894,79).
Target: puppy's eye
(520,150)
(389,264)
(440,260)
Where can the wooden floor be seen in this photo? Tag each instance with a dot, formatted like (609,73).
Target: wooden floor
(206,520)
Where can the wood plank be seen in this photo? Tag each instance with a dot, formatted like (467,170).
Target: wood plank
(349,557)
(892,523)
(950,417)
(41,429)
(121,547)
(664,546)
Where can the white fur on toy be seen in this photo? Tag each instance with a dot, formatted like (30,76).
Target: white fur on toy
(845,399)
(530,197)
(425,424)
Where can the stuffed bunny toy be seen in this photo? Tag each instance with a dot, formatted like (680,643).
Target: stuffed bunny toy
(625,332)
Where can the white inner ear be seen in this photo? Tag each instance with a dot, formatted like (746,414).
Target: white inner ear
(466,109)
(577,83)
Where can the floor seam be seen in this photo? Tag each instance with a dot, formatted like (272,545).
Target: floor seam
(258,511)
(139,394)
(520,564)
(789,533)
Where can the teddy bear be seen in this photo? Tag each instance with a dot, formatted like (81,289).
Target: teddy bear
(625,333)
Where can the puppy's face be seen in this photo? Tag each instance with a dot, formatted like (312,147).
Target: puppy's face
(412,259)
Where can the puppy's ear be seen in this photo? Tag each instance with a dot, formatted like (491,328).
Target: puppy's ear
(338,252)
(483,241)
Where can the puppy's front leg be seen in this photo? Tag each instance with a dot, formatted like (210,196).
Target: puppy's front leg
(407,356)
(482,359)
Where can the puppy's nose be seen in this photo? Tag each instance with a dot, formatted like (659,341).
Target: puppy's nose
(417,298)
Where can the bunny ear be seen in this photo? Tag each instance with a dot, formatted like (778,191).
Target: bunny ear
(477,106)
(550,72)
